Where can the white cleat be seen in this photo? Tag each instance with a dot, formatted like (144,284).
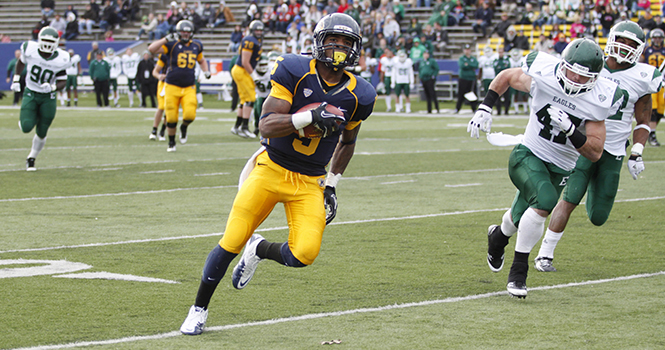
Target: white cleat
(544,264)
(171,148)
(162,138)
(244,271)
(516,289)
(152,137)
(195,321)
(248,134)
(238,131)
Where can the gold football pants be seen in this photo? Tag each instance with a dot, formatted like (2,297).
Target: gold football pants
(177,96)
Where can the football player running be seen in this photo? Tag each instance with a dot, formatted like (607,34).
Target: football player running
(46,74)
(182,52)
(292,169)
(655,55)
(625,44)
(568,110)
(248,57)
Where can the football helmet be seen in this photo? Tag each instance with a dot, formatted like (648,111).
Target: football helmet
(185,26)
(256,28)
(582,57)
(262,65)
(657,35)
(48,39)
(110,52)
(488,51)
(401,56)
(515,54)
(342,55)
(625,53)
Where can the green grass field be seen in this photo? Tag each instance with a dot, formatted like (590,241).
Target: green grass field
(401,267)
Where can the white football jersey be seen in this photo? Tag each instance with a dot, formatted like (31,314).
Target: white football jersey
(487,64)
(543,136)
(403,72)
(43,70)
(387,65)
(116,66)
(639,80)
(74,68)
(130,64)
(262,84)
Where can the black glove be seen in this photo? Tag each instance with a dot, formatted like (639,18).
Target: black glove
(325,121)
(330,202)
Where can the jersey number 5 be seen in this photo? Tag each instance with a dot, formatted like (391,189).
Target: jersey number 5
(186,60)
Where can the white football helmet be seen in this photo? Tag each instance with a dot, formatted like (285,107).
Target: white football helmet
(48,39)
(401,56)
(625,53)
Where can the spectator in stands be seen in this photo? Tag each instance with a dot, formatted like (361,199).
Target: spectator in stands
(92,54)
(483,18)
(528,16)
(414,28)
(508,6)
(561,43)
(89,18)
(295,27)
(281,16)
(148,24)
(72,29)
(391,30)
(440,39)
(607,19)
(172,14)
(313,16)
(642,5)
(543,44)
(108,35)
(514,39)
(253,9)
(129,9)
(577,29)
(424,3)
(398,11)
(343,5)
(146,80)
(4,38)
(48,7)
(459,12)
(95,7)
(223,12)
(428,72)
(163,27)
(659,22)
(331,7)
(70,9)
(43,22)
(109,18)
(501,27)
(353,11)
(442,14)
(416,53)
(207,14)
(58,23)
(543,17)
(646,20)
(236,38)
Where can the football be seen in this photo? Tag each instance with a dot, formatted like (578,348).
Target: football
(310,131)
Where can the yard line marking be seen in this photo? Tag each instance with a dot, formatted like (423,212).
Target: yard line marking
(267,229)
(463,185)
(338,313)
(157,171)
(116,194)
(211,174)
(397,182)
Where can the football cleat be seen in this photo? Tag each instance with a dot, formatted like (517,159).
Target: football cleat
(161,138)
(30,164)
(544,264)
(653,141)
(195,321)
(248,134)
(495,248)
(183,134)
(517,289)
(244,271)
(171,147)
(238,131)
(152,137)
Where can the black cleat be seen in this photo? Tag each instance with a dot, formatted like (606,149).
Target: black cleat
(30,164)
(517,290)
(496,244)
(517,279)
(653,141)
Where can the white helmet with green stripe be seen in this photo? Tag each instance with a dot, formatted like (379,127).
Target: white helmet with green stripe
(48,39)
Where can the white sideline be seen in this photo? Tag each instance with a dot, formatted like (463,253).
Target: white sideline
(334,314)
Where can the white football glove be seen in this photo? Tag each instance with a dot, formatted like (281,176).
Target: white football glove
(635,165)
(481,121)
(562,120)
(206,74)
(16,87)
(172,37)
(47,87)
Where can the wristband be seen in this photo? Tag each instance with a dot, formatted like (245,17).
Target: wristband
(490,98)
(635,157)
(577,138)
(301,120)
(637,149)
(642,126)
(16,78)
(332,179)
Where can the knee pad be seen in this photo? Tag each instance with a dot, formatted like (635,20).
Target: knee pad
(287,256)
(171,125)
(249,104)
(655,116)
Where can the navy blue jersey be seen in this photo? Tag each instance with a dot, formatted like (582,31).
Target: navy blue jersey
(294,80)
(162,61)
(182,60)
(250,43)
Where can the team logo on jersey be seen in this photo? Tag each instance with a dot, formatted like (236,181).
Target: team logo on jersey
(307,92)
(602,98)
(643,74)
(321,182)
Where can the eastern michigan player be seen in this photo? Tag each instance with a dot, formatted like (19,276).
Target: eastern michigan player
(292,169)
(261,78)
(568,97)
(46,65)
(654,55)
(600,180)
(116,69)
(130,64)
(182,52)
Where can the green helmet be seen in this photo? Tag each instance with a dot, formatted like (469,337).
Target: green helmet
(262,65)
(624,53)
(584,58)
(48,39)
